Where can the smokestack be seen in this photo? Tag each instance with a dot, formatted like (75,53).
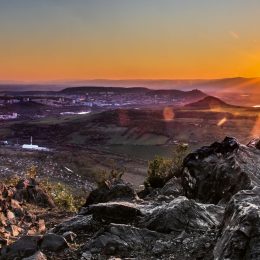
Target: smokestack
(31,140)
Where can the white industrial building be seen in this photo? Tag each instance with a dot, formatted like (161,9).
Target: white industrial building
(32,146)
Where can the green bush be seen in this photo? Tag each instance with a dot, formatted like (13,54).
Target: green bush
(104,177)
(62,196)
(160,170)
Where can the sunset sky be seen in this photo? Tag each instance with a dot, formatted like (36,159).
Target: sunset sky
(45,40)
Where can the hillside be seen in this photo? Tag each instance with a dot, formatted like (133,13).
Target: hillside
(175,93)
(89,89)
(29,107)
(209,102)
(211,215)
(239,90)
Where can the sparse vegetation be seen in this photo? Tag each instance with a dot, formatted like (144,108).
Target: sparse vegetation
(10,181)
(32,172)
(160,170)
(104,177)
(62,196)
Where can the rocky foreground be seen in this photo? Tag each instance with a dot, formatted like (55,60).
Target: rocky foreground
(211,212)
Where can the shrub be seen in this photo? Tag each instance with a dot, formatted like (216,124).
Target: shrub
(11,181)
(160,170)
(14,179)
(104,177)
(31,172)
(62,196)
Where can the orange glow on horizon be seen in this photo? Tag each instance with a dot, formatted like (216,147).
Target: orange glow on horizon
(64,40)
(256,129)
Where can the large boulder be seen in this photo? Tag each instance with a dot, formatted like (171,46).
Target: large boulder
(115,189)
(114,212)
(172,187)
(131,242)
(27,246)
(24,247)
(118,239)
(179,215)
(240,229)
(37,256)
(53,242)
(16,217)
(214,173)
(29,191)
(79,223)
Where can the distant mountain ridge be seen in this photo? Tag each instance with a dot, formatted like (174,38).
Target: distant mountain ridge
(236,90)
(227,84)
(84,89)
(146,91)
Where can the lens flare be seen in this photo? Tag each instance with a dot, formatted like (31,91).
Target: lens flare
(256,129)
(168,114)
(123,117)
(222,121)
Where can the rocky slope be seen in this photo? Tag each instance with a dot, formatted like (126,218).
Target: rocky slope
(211,212)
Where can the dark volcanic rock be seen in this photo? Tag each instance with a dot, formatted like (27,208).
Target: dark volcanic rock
(33,194)
(24,247)
(52,242)
(179,215)
(257,145)
(112,190)
(69,236)
(79,223)
(240,236)
(37,256)
(28,183)
(165,225)
(15,217)
(114,212)
(172,187)
(118,239)
(215,173)
(254,143)
(141,243)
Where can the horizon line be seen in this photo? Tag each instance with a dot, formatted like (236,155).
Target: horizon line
(60,81)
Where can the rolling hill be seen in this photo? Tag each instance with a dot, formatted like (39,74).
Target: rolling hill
(209,102)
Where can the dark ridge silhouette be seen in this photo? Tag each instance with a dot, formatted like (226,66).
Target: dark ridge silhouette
(210,102)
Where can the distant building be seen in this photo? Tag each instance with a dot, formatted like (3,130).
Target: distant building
(34,147)
(9,116)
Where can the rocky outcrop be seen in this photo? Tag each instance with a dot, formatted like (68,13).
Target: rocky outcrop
(24,247)
(52,242)
(111,190)
(172,188)
(37,256)
(131,242)
(77,224)
(28,245)
(122,239)
(240,229)
(114,212)
(29,191)
(179,215)
(15,218)
(211,212)
(213,174)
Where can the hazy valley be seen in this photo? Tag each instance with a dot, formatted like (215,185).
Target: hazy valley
(85,145)
(121,127)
